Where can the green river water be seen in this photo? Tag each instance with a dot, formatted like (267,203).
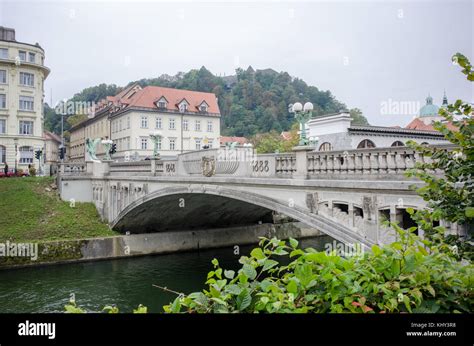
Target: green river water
(123,282)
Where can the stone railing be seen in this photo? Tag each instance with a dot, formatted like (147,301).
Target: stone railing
(371,161)
(134,167)
(285,164)
(379,163)
(73,168)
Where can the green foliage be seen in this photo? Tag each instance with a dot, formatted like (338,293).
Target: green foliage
(272,141)
(72,308)
(409,275)
(448,175)
(357,117)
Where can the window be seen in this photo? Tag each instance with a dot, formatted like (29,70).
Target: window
(128,142)
(26,127)
(3,126)
(366,143)
(128,122)
(162,104)
(27,79)
(172,124)
(32,57)
(26,103)
(183,107)
(397,144)
(198,144)
(144,143)
(158,123)
(158,143)
(3,154)
(185,125)
(3,101)
(3,53)
(209,126)
(120,125)
(172,144)
(197,125)
(210,143)
(144,122)
(22,55)
(3,76)
(26,154)
(325,147)
(203,107)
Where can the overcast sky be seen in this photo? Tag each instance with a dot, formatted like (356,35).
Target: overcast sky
(369,54)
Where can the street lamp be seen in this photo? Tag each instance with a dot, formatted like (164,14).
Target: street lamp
(15,140)
(302,115)
(156,138)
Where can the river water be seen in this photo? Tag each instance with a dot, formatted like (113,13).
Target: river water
(123,282)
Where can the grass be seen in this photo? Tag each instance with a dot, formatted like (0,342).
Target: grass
(29,212)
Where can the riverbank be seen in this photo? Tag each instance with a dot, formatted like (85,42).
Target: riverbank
(31,210)
(102,248)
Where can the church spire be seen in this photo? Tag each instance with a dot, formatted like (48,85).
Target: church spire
(445,100)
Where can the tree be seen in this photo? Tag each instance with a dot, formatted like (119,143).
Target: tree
(357,117)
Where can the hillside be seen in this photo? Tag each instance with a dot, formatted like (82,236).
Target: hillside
(251,101)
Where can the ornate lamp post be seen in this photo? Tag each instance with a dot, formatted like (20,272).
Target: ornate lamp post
(107,143)
(302,115)
(156,138)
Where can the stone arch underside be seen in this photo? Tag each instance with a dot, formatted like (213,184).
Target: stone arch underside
(211,206)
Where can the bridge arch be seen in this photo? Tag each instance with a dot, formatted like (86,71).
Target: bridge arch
(324,224)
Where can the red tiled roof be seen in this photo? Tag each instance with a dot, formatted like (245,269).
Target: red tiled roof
(148,96)
(286,135)
(240,140)
(53,136)
(417,124)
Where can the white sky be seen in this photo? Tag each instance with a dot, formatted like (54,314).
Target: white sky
(365,52)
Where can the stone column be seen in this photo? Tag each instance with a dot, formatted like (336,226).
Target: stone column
(301,161)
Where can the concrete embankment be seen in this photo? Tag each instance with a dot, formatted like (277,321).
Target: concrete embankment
(67,251)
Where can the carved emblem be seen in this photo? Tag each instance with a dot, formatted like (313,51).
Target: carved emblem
(208,166)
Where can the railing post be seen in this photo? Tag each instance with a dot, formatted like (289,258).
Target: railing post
(301,161)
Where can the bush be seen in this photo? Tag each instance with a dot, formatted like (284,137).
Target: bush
(410,275)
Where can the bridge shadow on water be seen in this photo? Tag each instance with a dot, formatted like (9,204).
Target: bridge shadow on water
(189,211)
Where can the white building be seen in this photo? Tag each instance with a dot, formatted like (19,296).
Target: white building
(335,132)
(22,75)
(186,120)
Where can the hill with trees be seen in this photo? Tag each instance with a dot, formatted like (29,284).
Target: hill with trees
(251,101)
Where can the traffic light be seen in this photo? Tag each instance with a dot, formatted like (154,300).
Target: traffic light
(38,154)
(62,153)
(113,149)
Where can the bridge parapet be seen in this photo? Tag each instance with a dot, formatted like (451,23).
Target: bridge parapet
(367,164)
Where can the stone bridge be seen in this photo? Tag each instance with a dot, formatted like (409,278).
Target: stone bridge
(344,194)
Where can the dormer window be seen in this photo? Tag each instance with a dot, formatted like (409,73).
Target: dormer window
(162,103)
(183,106)
(203,107)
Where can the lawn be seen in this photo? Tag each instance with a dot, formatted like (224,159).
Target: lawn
(31,210)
